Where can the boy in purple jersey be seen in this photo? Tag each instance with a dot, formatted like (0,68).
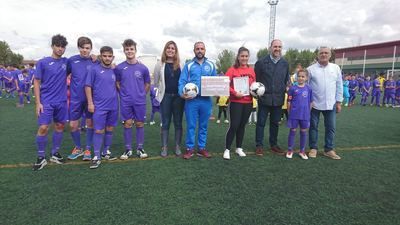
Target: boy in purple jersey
(1,80)
(19,81)
(376,91)
(353,84)
(78,66)
(299,108)
(28,76)
(365,90)
(51,100)
(9,81)
(155,104)
(390,91)
(397,95)
(101,94)
(133,82)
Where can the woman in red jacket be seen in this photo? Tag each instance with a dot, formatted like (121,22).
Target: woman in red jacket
(241,76)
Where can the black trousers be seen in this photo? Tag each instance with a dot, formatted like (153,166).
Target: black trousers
(239,115)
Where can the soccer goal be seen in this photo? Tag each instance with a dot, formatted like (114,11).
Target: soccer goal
(396,74)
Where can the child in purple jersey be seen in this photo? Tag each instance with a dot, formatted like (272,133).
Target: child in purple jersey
(19,80)
(397,95)
(9,81)
(353,85)
(376,91)
(133,82)
(78,66)
(51,100)
(365,90)
(299,108)
(390,91)
(155,104)
(102,98)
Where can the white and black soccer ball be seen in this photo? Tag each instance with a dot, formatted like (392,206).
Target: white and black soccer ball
(257,89)
(191,90)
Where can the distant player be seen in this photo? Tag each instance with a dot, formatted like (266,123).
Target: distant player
(133,82)
(19,80)
(299,107)
(346,93)
(397,95)
(9,81)
(51,100)
(365,90)
(155,104)
(78,66)
(102,98)
(376,91)
(222,103)
(389,92)
(353,85)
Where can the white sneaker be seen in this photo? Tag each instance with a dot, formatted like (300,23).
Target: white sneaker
(303,155)
(152,122)
(218,121)
(126,155)
(141,153)
(227,154)
(240,152)
(226,121)
(289,154)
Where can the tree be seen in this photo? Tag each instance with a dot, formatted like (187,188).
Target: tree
(261,53)
(7,56)
(292,57)
(225,60)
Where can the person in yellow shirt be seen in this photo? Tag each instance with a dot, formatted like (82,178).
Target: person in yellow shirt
(253,114)
(222,102)
(382,81)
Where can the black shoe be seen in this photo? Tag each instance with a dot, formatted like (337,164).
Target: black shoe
(95,163)
(57,158)
(40,163)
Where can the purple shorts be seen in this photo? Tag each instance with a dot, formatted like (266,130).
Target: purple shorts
(77,109)
(103,118)
(55,111)
(294,123)
(136,112)
(27,88)
(21,88)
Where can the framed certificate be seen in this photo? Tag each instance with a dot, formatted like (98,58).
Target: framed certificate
(241,85)
(215,86)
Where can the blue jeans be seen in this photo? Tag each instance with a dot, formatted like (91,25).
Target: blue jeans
(330,127)
(275,113)
(172,105)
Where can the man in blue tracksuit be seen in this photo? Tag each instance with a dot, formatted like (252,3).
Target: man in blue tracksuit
(197,109)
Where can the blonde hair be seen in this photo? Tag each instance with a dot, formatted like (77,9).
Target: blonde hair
(176,60)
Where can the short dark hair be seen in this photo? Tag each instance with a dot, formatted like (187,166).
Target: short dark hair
(303,71)
(106,49)
(59,41)
(31,64)
(83,41)
(128,43)
(198,42)
(25,71)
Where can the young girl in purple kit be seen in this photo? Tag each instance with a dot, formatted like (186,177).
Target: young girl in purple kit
(299,107)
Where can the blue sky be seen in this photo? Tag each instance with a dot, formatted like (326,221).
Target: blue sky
(27,25)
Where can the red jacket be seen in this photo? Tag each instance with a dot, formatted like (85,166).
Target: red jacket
(240,72)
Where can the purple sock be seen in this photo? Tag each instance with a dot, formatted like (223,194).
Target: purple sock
(139,137)
(128,138)
(89,138)
(292,135)
(107,141)
(303,140)
(41,142)
(21,99)
(97,141)
(76,137)
(57,138)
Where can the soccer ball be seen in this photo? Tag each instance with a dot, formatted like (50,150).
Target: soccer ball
(257,89)
(191,90)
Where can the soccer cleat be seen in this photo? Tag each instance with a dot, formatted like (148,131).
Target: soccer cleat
(188,154)
(289,154)
(303,155)
(203,153)
(87,155)
(240,152)
(95,163)
(141,153)
(126,155)
(57,158)
(108,156)
(40,163)
(76,152)
(227,154)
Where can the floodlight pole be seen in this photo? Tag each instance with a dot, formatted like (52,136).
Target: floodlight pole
(272,18)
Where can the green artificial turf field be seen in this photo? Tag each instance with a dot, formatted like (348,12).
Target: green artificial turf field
(362,188)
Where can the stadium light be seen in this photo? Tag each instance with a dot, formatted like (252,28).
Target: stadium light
(272,18)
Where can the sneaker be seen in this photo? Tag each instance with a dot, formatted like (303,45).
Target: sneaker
(303,155)
(28,102)
(57,158)
(259,151)
(152,122)
(95,163)
(227,154)
(289,154)
(332,154)
(126,155)
(164,152)
(87,155)
(76,152)
(277,150)
(218,121)
(188,154)
(240,152)
(108,156)
(203,153)
(178,151)
(141,153)
(226,121)
(312,153)
(40,163)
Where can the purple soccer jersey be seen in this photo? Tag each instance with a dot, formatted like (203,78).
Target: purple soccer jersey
(398,88)
(390,86)
(300,99)
(53,76)
(79,67)
(102,81)
(353,84)
(366,86)
(132,78)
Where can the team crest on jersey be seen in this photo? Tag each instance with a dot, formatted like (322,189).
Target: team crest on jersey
(64,66)
(207,68)
(304,94)
(138,74)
